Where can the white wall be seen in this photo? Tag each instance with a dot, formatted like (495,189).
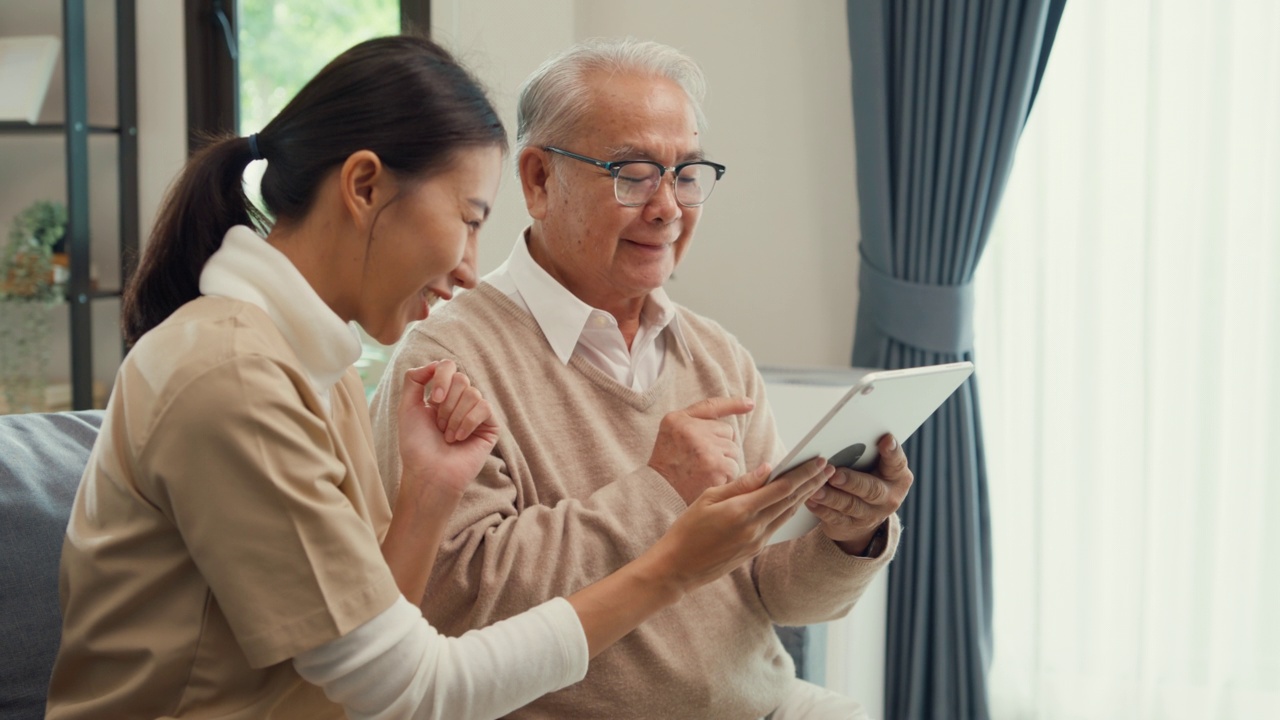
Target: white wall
(775,256)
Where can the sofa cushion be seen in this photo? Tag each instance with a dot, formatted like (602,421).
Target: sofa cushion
(42,457)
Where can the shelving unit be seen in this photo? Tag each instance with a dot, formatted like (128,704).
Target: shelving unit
(76,128)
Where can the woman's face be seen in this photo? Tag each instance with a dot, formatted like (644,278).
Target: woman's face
(424,242)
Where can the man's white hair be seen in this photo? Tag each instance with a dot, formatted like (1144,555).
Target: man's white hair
(555,97)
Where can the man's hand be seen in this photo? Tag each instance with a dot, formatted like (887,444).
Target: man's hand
(696,449)
(853,505)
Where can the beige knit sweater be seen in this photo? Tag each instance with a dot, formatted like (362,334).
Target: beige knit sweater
(567,498)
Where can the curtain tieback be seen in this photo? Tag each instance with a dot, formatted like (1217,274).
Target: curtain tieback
(938,318)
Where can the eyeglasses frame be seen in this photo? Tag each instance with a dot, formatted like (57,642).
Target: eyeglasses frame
(615,166)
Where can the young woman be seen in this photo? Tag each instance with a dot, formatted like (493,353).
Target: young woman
(231,551)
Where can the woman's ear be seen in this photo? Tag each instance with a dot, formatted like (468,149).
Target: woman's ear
(535,174)
(365,185)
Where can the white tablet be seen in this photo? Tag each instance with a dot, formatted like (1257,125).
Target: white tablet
(885,401)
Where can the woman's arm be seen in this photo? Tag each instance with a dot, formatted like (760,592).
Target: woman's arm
(724,527)
(444,441)
(397,666)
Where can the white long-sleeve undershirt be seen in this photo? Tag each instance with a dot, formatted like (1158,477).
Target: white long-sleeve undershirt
(398,666)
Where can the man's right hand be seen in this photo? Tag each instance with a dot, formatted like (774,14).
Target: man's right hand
(696,449)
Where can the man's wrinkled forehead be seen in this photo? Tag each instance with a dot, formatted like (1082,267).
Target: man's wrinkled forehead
(627,151)
(615,107)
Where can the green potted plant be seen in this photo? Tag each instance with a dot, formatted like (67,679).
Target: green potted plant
(30,283)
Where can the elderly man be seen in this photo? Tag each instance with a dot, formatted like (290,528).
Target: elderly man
(620,407)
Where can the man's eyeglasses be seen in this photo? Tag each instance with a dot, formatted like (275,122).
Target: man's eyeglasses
(635,181)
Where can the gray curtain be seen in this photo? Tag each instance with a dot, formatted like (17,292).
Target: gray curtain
(941,92)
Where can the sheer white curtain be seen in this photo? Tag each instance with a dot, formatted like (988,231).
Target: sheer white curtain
(1129,359)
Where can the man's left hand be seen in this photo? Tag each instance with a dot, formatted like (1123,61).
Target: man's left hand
(853,505)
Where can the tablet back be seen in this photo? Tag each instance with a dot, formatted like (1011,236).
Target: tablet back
(885,401)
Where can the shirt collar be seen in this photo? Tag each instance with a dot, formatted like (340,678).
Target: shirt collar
(249,269)
(563,316)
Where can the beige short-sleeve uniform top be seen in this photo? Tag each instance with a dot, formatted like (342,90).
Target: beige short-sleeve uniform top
(226,522)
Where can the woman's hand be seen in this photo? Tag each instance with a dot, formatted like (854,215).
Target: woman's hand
(726,526)
(447,428)
(445,438)
(731,523)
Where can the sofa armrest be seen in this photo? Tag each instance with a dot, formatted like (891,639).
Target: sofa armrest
(42,457)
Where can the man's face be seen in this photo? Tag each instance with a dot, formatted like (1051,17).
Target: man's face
(604,252)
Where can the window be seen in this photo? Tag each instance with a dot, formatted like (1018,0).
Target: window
(1128,331)
(283,43)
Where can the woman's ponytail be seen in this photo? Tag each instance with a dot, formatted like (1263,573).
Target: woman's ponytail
(206,201)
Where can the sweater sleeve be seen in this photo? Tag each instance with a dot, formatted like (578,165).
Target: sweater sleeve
(809,579)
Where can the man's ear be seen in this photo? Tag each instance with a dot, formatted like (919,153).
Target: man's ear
(535,175)
(365,185)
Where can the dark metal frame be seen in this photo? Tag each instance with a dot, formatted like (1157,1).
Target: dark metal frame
(614,167)
(78,248)
(127,107)
(415,17)
(212,100)
(80,293)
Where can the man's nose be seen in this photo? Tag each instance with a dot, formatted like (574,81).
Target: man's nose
(663,207)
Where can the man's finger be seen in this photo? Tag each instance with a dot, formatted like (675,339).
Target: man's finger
(827,515)
(719,407)
(892,465)
(865,486)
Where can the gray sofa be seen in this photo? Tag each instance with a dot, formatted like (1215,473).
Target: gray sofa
(42,457)
(41,460)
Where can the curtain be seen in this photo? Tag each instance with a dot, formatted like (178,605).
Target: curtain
(1128,319)
(941,92)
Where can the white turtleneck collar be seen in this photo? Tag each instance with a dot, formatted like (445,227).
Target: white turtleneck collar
(249,269)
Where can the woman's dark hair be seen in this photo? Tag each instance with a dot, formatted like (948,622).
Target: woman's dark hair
(402,97)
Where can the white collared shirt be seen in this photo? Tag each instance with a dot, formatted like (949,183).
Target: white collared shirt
(573,327)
